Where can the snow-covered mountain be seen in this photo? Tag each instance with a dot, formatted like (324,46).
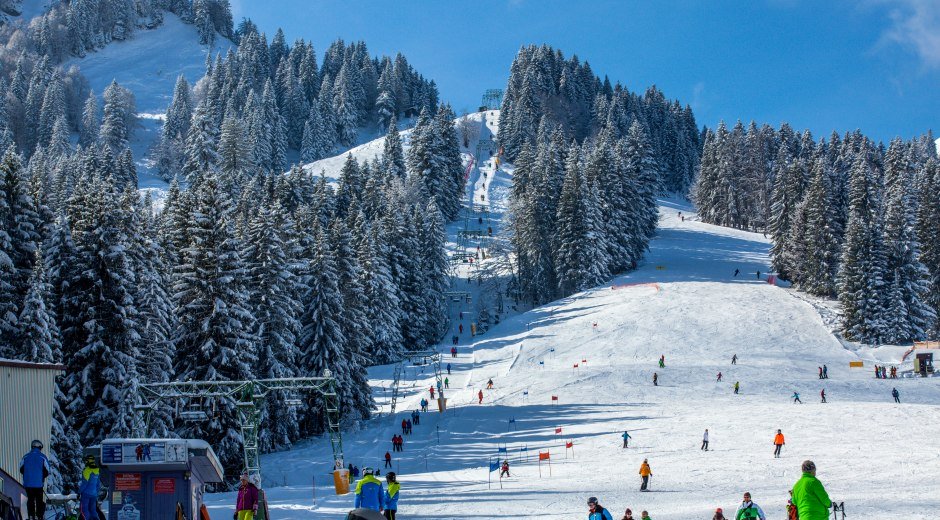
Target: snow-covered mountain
(148,64)
(597,352)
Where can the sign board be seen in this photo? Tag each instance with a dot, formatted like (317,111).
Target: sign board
(856,364)
(142,452)
(127,481)
(164,485)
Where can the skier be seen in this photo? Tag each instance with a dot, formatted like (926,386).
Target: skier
(796,398)
(791,508)
(388,459)
(655,379)
(778,444)
(448,365)
(480,395)
(391,495)
(822,394)
(896,395)
(825,372)
(820,373)
(432,392)
(394,442)
(453,354)
(719,377)
(809,496)
(369,492)
(246,503)
(404,426)
(480,220)
(596,512)
(734,359)
(662,361)
(489,384)
(645,473)
(736,271)
(460,328)
(417,419)
(409,426)
(627,515)
(737,386)
(447,382)
(489,230)
(626,438)
(89,487)
(35,468)
(645,515)
(705,440)
(719,515)
(482,197)
(504,470)
(749,510)
(758,275)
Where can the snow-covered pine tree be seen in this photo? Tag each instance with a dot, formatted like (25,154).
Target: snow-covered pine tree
(818,248)
(118,112)
(576,259)
(788,192)
(202,156)
(393,157)
(928,232)
(215,339)
(379,292)
(451,164)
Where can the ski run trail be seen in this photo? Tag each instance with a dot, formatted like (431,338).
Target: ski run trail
(683,302)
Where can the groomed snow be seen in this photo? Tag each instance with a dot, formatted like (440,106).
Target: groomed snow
(882,459)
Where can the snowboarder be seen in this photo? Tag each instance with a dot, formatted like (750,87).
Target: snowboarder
(480,396)
(809,496)
(391,495)
(737,386)
(246,503)
(896,395)
(719,377)
(778,444)
(90,485)
(734,359)
(596,512)
(655,379)
(645,473)
(369,492)
(736,272)
(504,470)
(749,510)
(825,372)
(388,459)
(432,392)
(705,440)
(822,395)
(448,365)
(796,398)
(35,468)
(626,438)
(447,382)
(489,384)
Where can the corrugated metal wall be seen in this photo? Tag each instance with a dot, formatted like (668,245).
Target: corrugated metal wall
(26,399)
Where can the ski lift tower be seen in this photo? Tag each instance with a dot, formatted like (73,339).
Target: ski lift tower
(249,397)
(419,357)
(492,99)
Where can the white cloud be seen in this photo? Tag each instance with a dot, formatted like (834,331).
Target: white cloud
(915,25)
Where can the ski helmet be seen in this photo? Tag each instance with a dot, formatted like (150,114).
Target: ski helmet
(367,471)
(390,476)
(89,460)
(36,444)
(592,501)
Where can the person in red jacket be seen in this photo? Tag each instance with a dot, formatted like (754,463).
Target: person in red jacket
(246,505)
(480,395)
(432,392)
(388,459)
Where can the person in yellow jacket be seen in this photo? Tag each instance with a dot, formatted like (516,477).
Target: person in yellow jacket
(809,496)
(646,473)
(391,495)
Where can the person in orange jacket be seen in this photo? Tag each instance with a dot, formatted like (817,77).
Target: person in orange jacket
(646,473)
(778,444)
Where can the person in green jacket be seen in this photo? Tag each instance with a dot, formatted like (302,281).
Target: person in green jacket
(811,500)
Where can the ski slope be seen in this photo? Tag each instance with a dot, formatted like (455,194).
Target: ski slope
(683,302)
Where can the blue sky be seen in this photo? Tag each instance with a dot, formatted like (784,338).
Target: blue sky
(822,65)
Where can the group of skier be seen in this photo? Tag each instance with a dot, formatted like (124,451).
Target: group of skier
(34,466)
(882,372)
(808,500)
(370,494)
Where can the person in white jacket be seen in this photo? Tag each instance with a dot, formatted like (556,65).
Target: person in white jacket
(749,510)
(705,440)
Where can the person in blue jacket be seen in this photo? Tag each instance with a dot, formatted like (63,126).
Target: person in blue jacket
(596,512)
(369,492)
(35,469)
(88,488)
(391,495)
(626,438)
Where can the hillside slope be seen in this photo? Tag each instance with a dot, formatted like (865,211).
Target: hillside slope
(684,303)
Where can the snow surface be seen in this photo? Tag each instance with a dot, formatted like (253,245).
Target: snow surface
(148,64)
(882,459)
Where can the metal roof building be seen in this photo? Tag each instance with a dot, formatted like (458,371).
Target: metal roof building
(27,391)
